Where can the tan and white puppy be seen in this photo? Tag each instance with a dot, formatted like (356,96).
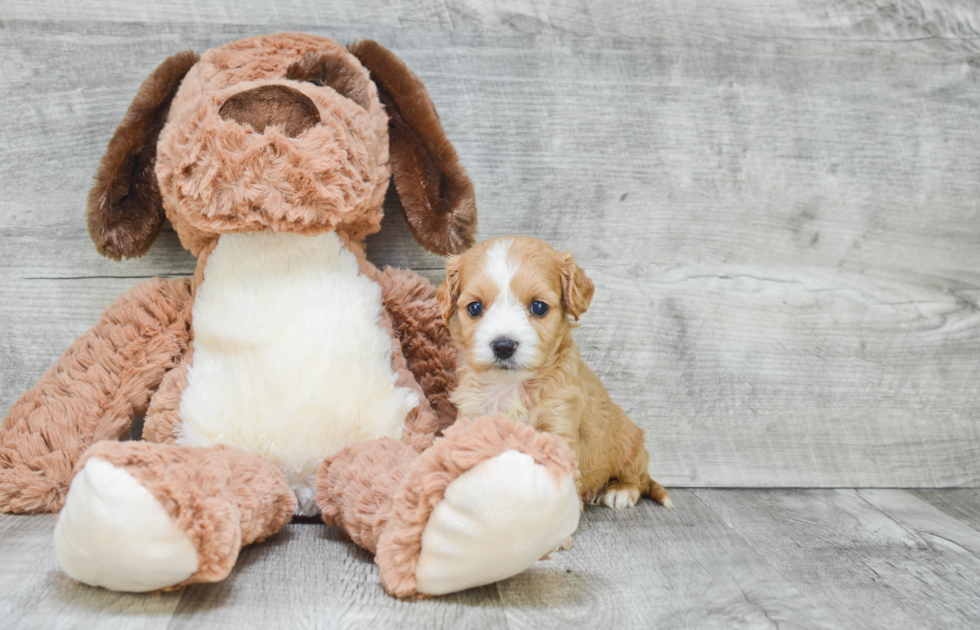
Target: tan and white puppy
(510,302)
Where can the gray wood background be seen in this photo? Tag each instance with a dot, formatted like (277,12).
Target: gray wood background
(778,201)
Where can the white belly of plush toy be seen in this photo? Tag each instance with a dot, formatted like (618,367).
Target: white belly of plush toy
(289,361)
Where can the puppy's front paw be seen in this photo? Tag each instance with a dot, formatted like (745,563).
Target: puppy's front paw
(618,495)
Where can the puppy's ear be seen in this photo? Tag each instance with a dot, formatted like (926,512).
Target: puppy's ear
(436,193)
(448,293)
(576,288)
(125,211)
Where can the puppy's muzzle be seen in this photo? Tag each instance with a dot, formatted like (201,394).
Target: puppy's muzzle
(503,348)
(278,105)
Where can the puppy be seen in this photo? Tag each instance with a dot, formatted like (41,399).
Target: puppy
(509,303)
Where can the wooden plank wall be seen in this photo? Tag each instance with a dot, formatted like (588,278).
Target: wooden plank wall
(778,201)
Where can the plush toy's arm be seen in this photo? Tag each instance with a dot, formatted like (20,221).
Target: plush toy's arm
(99,385)
(425,341)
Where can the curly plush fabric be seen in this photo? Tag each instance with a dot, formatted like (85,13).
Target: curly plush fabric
(464,445)
(125,212)
(99,385)
(354,487)
(382,493)
(221,498)
(425,339)
(224,176)
(162,419)
(437,195)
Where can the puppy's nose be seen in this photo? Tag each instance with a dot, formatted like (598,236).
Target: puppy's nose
(503,348)
(272,105)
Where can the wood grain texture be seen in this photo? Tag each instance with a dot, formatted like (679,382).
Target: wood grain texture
(776,200)
(721,559)
(861,556)
(312,576)
(654,568)
(962,504)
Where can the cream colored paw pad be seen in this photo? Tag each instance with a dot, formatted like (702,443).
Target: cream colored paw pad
(113,533)
(495,521)
(619,499)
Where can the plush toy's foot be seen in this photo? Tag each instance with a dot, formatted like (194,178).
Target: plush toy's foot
(483,504)
(113,533)
(144,517)
(494,521)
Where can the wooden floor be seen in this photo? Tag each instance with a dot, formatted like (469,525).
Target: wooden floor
(722,559)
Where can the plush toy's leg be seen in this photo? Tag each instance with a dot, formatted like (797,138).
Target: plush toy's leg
(421,330)
(485,502)
(143,517)
(99,385)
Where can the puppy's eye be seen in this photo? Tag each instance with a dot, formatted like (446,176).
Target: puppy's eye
(475,309)
(539,308)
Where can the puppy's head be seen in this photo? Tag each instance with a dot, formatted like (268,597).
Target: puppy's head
(510,302)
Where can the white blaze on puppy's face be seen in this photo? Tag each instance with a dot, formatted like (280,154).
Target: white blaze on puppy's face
(503,300)
(506,318)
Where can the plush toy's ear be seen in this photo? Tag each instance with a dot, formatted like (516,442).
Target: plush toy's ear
(125,211)
(576,288)
(436,193)
(448,293)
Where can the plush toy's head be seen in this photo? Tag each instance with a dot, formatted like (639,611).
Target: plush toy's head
(287,132)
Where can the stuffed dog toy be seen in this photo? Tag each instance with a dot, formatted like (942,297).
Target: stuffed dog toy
(510,302)
(289,376)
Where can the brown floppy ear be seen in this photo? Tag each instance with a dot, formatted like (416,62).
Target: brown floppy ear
(125,211)
(576,288)
(448,293)
(436,193)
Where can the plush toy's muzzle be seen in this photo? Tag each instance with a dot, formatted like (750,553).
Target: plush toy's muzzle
(277,105)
